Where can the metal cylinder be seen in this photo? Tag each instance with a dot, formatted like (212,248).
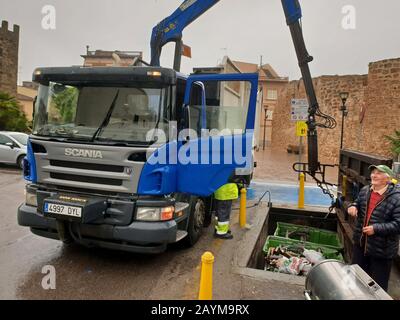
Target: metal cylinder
(396,169)
(334,280)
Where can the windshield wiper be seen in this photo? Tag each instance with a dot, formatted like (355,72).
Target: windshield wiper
(125,143)
(107,118)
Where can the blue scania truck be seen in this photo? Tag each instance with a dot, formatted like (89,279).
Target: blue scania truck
(128,158)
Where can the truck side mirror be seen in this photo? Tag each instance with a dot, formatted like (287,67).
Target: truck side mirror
(186,117)
(203,103)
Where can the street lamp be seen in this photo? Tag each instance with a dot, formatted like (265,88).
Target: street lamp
(265,123)
(344,96)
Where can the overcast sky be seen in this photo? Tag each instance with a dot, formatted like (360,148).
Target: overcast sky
(242,29)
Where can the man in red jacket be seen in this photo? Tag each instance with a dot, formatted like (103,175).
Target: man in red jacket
(377,229)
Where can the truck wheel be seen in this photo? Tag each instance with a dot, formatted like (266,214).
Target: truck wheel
(208,202)
(196,221)
(20,162)
(68,241)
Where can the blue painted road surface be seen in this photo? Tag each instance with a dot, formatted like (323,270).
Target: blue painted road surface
(288,194)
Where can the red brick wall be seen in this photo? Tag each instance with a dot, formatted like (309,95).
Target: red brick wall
(378,92)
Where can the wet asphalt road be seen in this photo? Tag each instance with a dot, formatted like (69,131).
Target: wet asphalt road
(83,273)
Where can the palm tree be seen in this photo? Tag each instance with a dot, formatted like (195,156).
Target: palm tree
(12,118)
(395,141)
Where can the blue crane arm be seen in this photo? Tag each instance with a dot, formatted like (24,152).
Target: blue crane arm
(292,11)
(170,29)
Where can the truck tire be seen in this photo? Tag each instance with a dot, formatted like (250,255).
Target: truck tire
(20,161)
(208,202)
(67,242)
(196,221)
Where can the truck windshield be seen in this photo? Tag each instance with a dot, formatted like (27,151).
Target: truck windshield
(100,113)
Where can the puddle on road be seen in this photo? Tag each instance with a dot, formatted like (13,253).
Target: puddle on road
(94,273)
(83,273)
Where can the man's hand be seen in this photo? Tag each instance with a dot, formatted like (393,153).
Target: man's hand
(352,211)
(369,231)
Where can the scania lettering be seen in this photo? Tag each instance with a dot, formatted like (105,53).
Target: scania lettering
(83,153)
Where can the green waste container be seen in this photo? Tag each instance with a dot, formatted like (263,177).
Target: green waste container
(327,252)
(308,234)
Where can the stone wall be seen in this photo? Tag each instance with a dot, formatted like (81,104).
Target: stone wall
(373,111)
(9,42)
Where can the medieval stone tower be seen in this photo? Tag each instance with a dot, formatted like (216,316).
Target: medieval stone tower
(9,43)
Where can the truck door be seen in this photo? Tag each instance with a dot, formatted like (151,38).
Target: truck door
(220,112)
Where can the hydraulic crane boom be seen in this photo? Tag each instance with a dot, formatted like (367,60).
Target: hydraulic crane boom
(170,29)
(293,16)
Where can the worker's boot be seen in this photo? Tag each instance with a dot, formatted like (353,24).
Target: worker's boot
(215,231)
(225,236)
(222,230)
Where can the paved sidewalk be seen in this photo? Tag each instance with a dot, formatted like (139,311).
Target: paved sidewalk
(275,165)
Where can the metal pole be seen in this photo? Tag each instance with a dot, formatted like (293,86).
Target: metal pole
(242,209)
(300,147)
(265,126)
(301,192)
(341,135)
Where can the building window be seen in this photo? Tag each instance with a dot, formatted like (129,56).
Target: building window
(272,94)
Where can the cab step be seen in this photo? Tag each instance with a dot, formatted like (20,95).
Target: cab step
(180,234)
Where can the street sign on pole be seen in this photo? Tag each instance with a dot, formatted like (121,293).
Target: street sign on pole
(299,110)
(301,129)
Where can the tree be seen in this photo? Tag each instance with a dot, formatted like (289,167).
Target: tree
(395,141)
(12,118)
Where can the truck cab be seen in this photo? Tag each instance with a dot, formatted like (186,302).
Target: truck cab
(128,158)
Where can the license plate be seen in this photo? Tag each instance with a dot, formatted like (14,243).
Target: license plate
(64,210)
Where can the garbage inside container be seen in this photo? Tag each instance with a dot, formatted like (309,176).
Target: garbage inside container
(294,257)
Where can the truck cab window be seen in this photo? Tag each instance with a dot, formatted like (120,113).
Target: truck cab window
(227,104)
(117,113)
(195,108)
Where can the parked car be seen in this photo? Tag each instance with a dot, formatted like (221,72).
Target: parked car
(13,147)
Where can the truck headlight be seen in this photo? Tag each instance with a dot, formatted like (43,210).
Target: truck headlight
(154,213)
(30,197)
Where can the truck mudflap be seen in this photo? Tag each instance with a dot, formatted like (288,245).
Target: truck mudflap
(138,236)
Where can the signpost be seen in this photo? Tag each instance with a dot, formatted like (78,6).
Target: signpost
(299,110)
(299,113)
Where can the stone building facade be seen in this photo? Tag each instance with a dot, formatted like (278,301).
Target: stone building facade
(373,111)
(9,43)
(272,85)
(101,58)
(26,95)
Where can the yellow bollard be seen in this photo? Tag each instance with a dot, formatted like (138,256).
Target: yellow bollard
(207,261)
(301,192)
(242,210)
(344,186)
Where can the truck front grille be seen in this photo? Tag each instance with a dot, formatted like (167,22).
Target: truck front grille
(86,179)
(86,166)
(113,173)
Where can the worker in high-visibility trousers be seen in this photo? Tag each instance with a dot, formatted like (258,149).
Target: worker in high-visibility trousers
(223,206)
